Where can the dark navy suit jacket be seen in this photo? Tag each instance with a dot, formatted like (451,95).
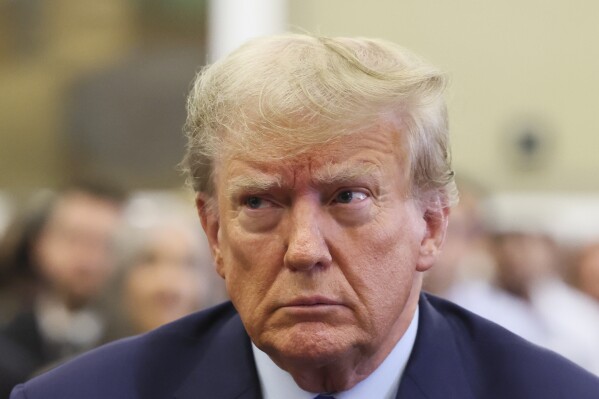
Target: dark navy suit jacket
(457,355)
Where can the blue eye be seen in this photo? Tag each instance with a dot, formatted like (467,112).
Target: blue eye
(254,202)
(349,196)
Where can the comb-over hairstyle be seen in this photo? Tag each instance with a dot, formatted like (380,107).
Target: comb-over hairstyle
(278,96)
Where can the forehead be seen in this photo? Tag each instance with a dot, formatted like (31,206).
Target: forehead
(361,154)
(81,209)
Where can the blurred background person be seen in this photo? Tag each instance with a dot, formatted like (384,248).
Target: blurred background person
(525,292)
(465,250)
(57,260)
(586,271)
(501,261)
(165,267)
(17,270)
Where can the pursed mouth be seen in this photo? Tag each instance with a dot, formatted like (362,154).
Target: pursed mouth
(311,301)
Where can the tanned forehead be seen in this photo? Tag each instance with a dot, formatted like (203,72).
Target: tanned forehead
(330,173)
(266,168)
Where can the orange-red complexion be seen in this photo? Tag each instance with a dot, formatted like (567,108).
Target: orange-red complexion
(322,255)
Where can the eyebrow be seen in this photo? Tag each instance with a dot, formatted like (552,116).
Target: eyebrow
(255,182)
(328,174)
(334,173)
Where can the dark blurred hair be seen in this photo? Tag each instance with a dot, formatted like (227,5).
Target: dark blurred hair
(96,188)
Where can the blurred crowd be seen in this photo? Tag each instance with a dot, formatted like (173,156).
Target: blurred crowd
(517,263)
(88,265)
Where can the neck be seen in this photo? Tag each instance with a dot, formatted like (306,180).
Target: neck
(344,372)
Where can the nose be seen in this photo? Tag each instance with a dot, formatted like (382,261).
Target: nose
(306,245)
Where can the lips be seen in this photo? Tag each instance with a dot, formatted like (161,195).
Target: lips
(307,301)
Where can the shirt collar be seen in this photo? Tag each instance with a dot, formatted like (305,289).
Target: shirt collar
(382,383)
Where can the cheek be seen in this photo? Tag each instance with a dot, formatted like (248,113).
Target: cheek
(385,267)
(138,286)
(49,256)
(189,288)
(392,243)
(251,263)
(390,270)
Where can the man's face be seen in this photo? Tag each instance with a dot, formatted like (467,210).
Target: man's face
(522,259)
(74,248)
(322,253)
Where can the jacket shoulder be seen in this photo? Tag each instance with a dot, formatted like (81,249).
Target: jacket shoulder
(161,359)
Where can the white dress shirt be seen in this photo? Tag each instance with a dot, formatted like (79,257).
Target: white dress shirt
(383,383)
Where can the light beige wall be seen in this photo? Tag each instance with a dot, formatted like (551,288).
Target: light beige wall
(506,59)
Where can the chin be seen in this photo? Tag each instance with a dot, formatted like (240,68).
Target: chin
(316,344)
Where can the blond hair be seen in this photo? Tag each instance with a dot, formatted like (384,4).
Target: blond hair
(277,96)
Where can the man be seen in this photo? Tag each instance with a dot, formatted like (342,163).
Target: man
(60,259)
(323,182)
(526,294)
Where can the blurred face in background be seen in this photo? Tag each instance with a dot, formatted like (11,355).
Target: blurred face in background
(588,272)
(522,259)
(74,250)
(165,282)
(464,236)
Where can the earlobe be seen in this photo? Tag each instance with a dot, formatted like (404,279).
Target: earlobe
(211,224)
(430,247)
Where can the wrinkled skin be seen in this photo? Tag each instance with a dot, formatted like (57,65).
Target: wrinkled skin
(322,254)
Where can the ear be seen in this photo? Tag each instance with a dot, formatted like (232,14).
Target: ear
(209,217)
(436,226)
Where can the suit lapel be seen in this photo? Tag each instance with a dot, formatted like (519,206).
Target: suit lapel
(435,369)
(227,369)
